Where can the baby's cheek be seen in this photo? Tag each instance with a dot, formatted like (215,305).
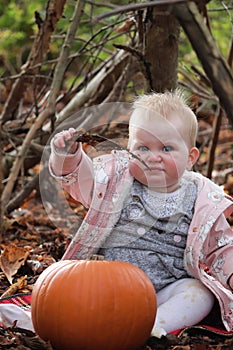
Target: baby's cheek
(136,171)
(173,168)
(133,168)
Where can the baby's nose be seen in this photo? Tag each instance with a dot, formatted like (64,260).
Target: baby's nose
(155,157)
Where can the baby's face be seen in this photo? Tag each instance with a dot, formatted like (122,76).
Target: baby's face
(162,145)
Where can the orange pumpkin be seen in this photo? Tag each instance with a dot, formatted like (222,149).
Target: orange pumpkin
(93,304)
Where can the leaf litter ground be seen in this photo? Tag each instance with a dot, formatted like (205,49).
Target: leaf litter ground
(31,242)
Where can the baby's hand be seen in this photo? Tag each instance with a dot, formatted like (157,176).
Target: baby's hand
(231,282)
(63,141)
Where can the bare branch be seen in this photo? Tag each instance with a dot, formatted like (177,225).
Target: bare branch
(113,67)
(39,49)
(137,7)
(50,108)
(215,66)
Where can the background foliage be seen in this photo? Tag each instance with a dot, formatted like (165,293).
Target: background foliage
(18,29)
(42,88)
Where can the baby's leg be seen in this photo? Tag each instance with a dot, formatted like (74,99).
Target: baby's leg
(182,303)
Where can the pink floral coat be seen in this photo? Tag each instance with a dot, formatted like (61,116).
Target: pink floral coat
(103,184)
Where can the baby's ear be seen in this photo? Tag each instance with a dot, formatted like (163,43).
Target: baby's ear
(193,157)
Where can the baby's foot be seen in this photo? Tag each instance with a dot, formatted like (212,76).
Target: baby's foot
(158,332)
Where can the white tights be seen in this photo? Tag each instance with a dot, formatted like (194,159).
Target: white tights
(182,303)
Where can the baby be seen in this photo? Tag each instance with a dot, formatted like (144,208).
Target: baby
(153,211)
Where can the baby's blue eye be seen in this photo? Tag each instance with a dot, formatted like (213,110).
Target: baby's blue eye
(143,148)
(167,148)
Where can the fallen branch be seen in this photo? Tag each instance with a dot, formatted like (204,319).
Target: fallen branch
(40,47)
(18,200)
(50,108)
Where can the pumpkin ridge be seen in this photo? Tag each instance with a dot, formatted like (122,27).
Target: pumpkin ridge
(43,288)
(131,329)
(114,310)
(91,302)
(134,276)
(69,309)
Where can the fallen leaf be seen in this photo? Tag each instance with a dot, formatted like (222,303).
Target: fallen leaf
(13,289)
(7,223)
(11,259)
(40,262)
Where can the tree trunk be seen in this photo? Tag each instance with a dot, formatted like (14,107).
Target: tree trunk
(161,48)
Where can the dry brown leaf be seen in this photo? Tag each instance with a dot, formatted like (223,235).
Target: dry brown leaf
(7,223)
(13,289)
(40,262)
(11,259)
(126,25)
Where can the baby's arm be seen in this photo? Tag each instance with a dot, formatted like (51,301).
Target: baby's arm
(70,165)
(219,252)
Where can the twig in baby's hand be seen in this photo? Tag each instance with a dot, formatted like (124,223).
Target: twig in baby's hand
(93,139)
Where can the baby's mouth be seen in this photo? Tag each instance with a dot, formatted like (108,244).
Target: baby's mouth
(154,168)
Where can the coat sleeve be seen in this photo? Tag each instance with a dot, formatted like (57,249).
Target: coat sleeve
(74,172)
(219,251)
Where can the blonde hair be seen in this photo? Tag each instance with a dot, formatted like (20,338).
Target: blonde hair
(165,104)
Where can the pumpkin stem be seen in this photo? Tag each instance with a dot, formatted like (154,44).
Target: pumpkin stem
(95,257)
